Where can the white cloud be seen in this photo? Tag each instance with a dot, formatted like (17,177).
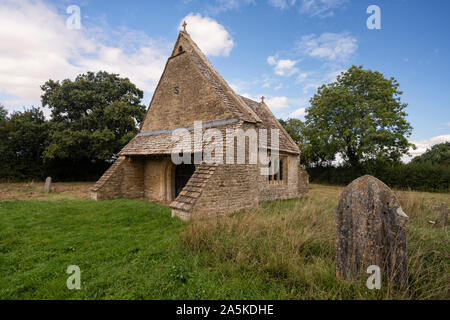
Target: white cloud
(277,102)
(249,96)
(281,4)
(226,5)
(211,37)
(329,46)
(313,82)
(448,124)
(321,8)
(302,77)
(282,106)
(271,60)
(298,113)
(423,145)
(283,67)
(37,46)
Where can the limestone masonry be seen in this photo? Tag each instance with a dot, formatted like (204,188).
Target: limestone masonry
(190,89)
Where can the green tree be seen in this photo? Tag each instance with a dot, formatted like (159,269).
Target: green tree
(309,154)
(437,154)
(360,116)
(23,139)
(3,113)
(295,128)
(92,117)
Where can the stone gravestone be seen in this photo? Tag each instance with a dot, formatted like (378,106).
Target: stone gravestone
(371,230)
(48,184)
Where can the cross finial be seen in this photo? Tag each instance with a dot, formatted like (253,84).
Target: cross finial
(262,99)
(184,26)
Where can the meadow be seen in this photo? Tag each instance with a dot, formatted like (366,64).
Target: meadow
(133,249)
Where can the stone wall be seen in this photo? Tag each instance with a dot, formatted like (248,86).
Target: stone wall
(159,179)
(122,180)
(231,188)
(303,181)
(288,188)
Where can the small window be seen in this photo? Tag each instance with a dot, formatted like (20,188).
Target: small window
(280,172)
(180,49)
(277,171)
(270,173)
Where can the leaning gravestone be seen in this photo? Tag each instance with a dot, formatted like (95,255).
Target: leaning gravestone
(371,230)
(48,184)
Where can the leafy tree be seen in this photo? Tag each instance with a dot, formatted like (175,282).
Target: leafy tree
(309,154)
(23,139)
(295,128)
(5,155)
(437,154)
(360,116)
(3,113)
(92,117)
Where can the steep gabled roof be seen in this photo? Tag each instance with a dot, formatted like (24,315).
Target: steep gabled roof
(231,100)
(270,122)
(242,109)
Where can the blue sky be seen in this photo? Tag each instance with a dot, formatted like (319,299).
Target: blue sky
(282,49)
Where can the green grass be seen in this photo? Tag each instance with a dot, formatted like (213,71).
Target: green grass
(130,249)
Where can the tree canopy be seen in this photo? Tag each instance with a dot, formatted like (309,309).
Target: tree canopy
(296,128)
(92,117)
(3,113)
(437,154)
(359,116)
(23,138)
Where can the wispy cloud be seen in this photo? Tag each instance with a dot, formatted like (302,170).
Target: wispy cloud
(315,80)
(337,47)
(333,50)
(298,113)
(277,102)
(220,6)
(281,4)
(283,67)
(319,8)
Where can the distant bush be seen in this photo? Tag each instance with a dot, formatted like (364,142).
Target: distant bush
(437,154)
(414,176)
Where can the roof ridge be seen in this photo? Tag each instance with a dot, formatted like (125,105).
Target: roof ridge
(275,120)
(219,80)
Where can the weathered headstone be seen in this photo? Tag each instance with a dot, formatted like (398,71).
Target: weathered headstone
(48,185)
(371,230)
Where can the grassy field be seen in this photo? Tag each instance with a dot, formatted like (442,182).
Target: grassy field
(129,249)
